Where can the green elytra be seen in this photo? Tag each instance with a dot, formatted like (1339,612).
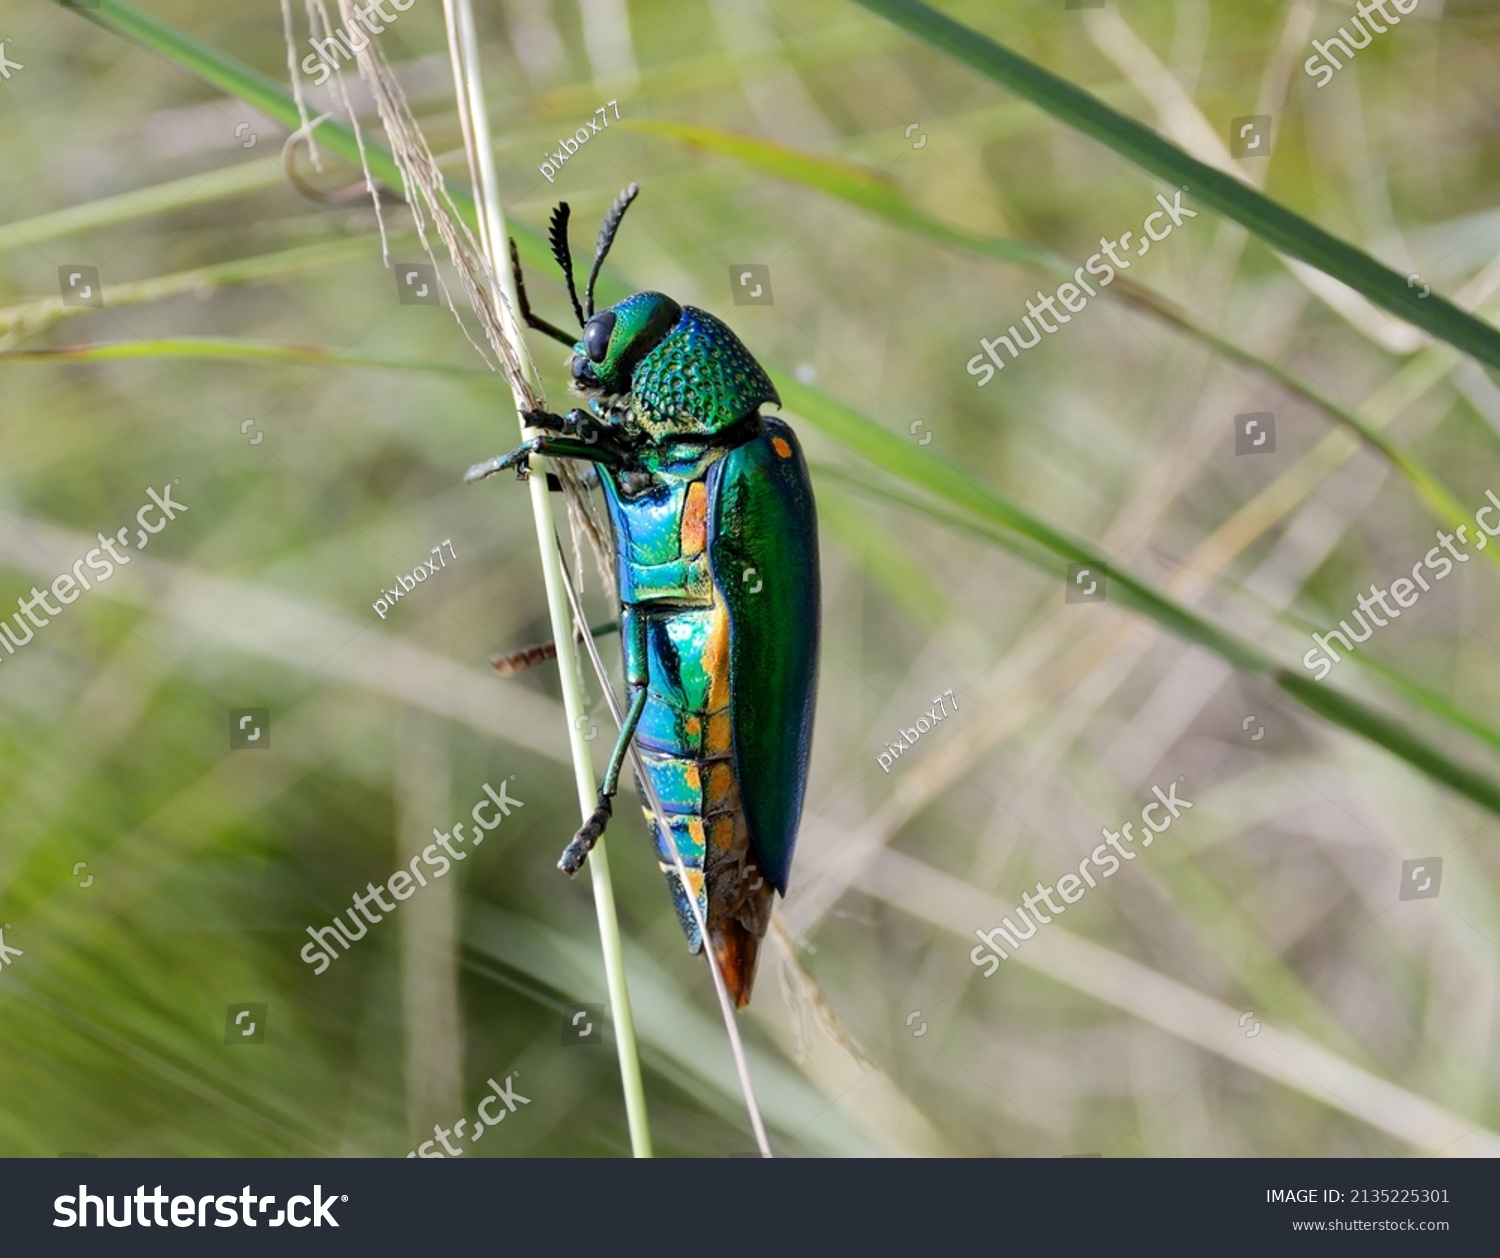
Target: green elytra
(715,539)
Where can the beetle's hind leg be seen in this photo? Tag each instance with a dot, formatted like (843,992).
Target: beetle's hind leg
(593,829)
(511,663)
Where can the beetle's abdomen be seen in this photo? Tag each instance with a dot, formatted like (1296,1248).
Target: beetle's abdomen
(679,644)
(685,741)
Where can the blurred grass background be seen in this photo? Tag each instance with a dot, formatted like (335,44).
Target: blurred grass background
(1116,1031)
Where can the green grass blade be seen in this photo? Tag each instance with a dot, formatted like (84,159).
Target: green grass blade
(172,196)
(1009,520)
(21,321)
(225,349)
(872,191)
(1420,696)
(858,184)
(1278,226)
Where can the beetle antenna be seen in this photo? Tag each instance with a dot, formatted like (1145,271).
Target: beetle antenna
(607,230)
(559,237)
(532,320)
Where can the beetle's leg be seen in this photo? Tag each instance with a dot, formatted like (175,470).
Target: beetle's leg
(590,832)
(597,447)
(588,428)
(513,662)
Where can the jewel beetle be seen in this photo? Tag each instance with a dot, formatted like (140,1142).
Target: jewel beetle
(714,532)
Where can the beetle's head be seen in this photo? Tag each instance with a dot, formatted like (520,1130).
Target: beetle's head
(614,340)
(686,373)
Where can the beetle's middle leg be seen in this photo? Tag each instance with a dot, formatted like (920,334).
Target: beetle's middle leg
(590,832)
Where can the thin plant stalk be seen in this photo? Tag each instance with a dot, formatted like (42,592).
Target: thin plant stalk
(731,1027)
(463,45)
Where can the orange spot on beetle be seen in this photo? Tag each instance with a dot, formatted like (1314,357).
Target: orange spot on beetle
(695,519)
(716,659)
(718,742)
(721,833)
(780,445)
(720,786)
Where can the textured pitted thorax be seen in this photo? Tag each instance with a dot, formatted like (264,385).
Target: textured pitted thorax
(698,379)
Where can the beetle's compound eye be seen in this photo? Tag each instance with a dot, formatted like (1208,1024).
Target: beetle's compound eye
(596,335)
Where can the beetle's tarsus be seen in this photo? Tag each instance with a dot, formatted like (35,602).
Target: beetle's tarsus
(482,470)
(588,834)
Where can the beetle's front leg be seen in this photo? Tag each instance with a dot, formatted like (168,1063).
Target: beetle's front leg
(592,431)
(519,458)
(549,421)
(578,423)
(576,435)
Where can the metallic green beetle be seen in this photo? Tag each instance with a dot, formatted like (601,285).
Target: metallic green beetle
(715,539)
